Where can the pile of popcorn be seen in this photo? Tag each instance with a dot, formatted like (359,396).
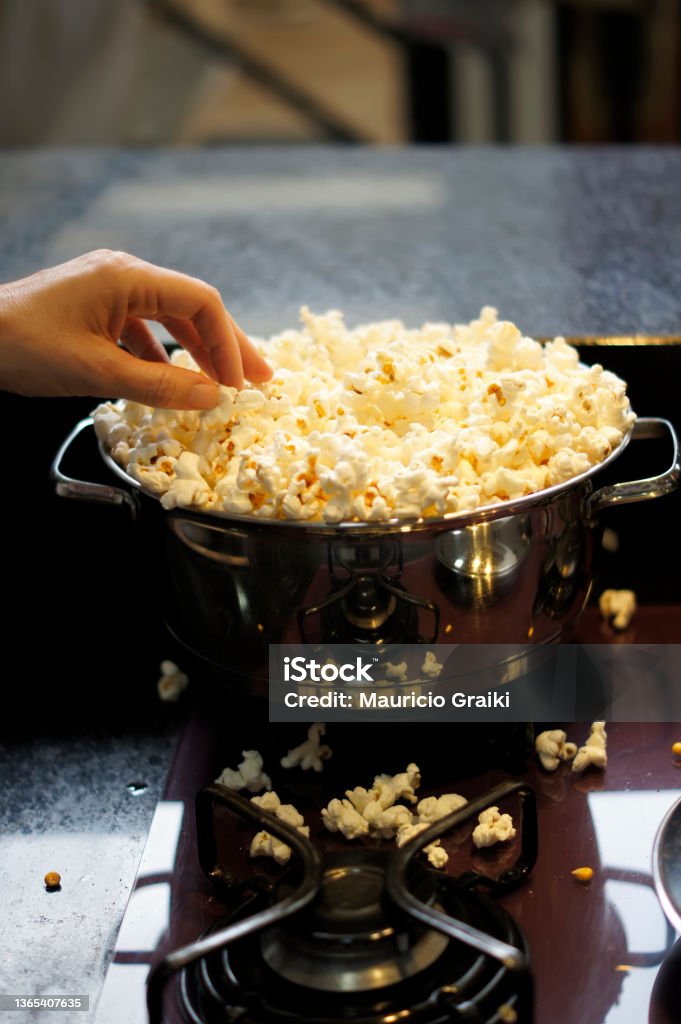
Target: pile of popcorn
(377,812)
(379,422)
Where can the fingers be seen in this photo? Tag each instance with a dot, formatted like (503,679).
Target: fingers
(214,328)
(150,383)
(256,368)
(219,346)
(184,332)
(139,340)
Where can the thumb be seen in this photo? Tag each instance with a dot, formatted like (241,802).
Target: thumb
(161,384)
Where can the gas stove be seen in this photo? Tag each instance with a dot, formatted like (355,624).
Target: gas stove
(352,933)
(348,932)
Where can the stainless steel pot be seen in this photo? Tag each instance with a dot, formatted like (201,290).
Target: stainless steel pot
(516,572)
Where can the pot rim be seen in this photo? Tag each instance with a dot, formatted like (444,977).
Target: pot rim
(449,521)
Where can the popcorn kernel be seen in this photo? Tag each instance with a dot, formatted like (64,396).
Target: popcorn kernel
(583,874)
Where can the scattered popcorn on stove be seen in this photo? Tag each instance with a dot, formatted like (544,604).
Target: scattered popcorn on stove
(389,788)
(594,750)
(386,824)
(552,748)
(311,753)
(619,606)
(436,854)
(431,666)
(379,422)
(399,671)
(173,682)
(493,827)
(359,797)
(432,808)
(263,843)
(375,810)
(268,802)
(249,775)
(341,816)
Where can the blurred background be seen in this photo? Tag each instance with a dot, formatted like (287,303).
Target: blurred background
(147,72)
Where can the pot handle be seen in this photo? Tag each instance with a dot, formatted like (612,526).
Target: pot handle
(645,429)
(82,490)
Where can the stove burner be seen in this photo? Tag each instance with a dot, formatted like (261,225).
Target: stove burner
(367,603)
(367,935)
(350,940)
(453,983)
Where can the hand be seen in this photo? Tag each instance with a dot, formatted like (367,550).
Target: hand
(59,333)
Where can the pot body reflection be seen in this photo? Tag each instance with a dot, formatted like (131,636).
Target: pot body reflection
(233,591)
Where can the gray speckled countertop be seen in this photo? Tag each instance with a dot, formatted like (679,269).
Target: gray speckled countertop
(561,241)
(68,805)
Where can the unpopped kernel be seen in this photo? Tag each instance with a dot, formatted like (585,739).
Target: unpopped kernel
(379,422)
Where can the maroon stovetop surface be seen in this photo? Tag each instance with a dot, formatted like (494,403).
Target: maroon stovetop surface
(600,952)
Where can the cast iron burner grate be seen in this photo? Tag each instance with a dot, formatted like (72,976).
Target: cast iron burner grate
(367,603)
(364,935)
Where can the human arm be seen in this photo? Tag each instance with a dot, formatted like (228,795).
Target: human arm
(60,328)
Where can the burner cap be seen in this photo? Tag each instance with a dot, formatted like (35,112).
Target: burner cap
(352,939)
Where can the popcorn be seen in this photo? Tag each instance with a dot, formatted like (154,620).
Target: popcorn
(173,682)
(552,748)
(374,809)
(268,801)
(379,422)
(341,816)
(249,775)
(493,828)
(619,606)
(431,666)
(265,845)
(360,797)
(389,788)
(387,823)
(311,753)
(110,426)
(376,812)
(436,854)
(593,752)
(189,486)
(432,808)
